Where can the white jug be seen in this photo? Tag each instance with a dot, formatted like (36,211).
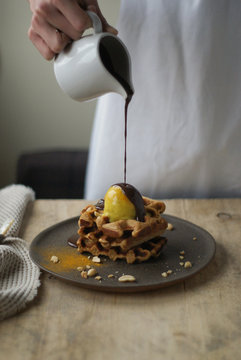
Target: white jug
(94,65)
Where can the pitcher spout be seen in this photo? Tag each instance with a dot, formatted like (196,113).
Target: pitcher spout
(125,91)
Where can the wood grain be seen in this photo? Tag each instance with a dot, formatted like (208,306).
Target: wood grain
(197,319)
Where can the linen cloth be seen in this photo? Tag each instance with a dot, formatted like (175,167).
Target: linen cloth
(19,276)
(184,121)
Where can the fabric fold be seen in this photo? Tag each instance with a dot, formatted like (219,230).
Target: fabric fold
(19,276)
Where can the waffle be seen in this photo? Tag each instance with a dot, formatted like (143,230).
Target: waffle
(130,239)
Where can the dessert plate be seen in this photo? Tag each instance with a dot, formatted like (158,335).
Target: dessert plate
(187,244)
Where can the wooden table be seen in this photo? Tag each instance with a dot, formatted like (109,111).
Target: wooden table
(197,319)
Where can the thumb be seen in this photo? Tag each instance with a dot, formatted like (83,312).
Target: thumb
(106,26)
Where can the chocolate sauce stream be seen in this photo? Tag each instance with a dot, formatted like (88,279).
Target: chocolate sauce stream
(128,99)
(118,70)
(130,191)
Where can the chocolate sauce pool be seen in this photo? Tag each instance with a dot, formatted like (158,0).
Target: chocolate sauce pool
(73,240)
(135,198)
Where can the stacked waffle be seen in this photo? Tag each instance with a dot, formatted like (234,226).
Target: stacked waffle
(135,241)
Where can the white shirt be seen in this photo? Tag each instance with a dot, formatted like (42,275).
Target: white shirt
(184,121)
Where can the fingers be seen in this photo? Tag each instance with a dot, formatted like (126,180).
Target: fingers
(49,15)
(68,16)
(58,21)
(75,15)
(45,37)
(40,44)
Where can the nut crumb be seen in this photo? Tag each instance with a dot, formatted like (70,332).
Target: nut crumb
(127,278)
(169,272)
(187,264)
(84,274)
(98,277)
(181,257)
(181,263)
(80,268)
(54,259)
(88,267)
(170,226)
(110,276)
(164,274)
(91,272)
(96,259)
(182,252)
(194,238)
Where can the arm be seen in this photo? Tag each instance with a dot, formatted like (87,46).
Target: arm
(55,23)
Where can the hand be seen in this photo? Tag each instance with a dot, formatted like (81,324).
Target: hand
(55,23)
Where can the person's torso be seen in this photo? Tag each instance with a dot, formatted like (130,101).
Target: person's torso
(184,122)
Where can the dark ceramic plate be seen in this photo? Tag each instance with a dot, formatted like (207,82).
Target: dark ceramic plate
(197,244)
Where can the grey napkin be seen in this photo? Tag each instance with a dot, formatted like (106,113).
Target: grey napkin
(19,276)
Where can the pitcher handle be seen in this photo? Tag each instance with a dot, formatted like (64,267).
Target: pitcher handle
(97,24)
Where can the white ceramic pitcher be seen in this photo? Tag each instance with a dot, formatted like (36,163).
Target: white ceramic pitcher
(94,65)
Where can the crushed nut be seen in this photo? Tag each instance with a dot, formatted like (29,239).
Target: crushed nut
(181,263)
(88,267)
(187,264)
(54,259)
(127,278)
(98,277)
(182,252)
(91,272)
(169,272)
(164,274)
(170,226)
(80,268)
(110,276)
(84,274)
(96,259)
(181,257)
(194,238)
